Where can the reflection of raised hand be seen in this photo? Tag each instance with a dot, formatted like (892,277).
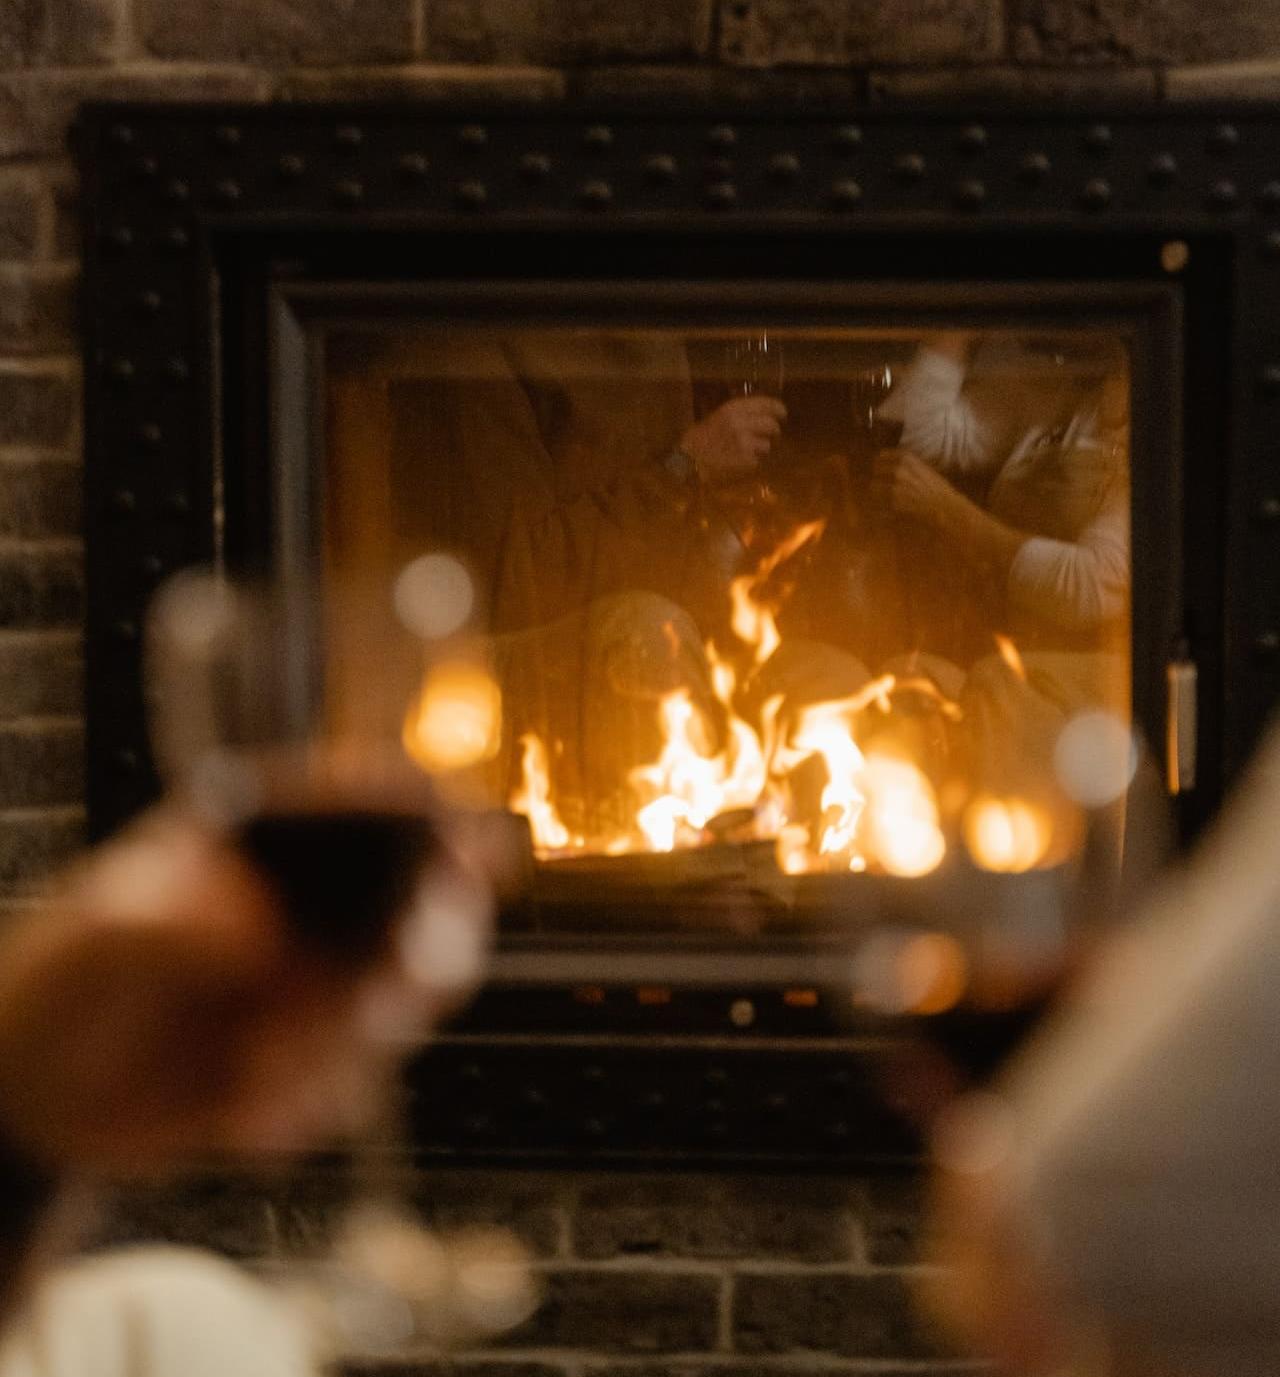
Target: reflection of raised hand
(904,483)
(733,440)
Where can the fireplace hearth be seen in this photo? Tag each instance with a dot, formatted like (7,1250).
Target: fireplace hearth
(320,339)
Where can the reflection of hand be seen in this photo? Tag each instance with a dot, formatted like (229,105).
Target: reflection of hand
(733,440)
(908,486)
(161,1006)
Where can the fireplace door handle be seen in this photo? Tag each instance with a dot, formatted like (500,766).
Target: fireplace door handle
(1180,726)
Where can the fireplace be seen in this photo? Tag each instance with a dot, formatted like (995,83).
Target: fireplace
(641,374)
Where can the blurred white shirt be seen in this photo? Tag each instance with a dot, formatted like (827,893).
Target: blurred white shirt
(1079,584)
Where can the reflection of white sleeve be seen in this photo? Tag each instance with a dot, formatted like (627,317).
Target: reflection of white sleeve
(939,423)
(1077,585)
(1146,1124)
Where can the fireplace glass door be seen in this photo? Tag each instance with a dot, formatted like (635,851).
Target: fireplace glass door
(759,596)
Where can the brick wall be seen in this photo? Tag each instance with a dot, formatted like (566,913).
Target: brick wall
(644,1276)
(647,1276)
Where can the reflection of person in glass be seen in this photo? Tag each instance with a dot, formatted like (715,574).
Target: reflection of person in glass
(1055,526)
(568,464)
(573,471)
(1025,483)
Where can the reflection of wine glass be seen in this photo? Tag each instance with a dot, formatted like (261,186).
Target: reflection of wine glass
(753,366)
(269,722)
(868,387)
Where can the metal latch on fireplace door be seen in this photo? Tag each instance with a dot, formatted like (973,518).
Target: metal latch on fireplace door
(1180,725)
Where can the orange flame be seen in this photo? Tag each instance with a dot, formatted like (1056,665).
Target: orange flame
(903,814)
(1010,655)
(1006,835)
(753,620)
(686,783)
(456,720)
(873,810)
(533,798)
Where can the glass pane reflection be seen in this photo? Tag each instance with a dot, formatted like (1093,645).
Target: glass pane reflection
(833,592)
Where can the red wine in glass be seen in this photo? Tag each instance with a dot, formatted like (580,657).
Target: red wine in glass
(754,367)
(343,875)
(868,388)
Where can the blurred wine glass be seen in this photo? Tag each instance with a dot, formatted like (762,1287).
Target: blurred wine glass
(868,388)
(754,366)
(326,732)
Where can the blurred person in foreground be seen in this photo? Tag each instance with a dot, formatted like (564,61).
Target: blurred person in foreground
(1113,1205)
(158,1009)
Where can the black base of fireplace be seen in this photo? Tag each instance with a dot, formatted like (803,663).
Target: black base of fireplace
(748,1096)
(750,1057)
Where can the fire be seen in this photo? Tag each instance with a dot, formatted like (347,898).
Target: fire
(824,732)
(687,783)
(1010,655)
(816,780)
(753,618)
(904,827)
(533,799)
(1007,835)
(457,719)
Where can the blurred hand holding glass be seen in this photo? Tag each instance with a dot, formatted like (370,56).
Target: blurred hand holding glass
(330,735)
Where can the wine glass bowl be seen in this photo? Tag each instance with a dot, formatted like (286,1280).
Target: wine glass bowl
(754,366)
(294,720)
(868,388)
(257,728)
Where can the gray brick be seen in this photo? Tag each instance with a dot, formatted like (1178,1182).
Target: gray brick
(41,764)
(64,186)
(458,1367)
(41,585)
(19,217)
(624,1311)
(828,91)
(1225,81)
(772,1367)
(836,32)
(1006,85)
(222,1213)
(36,108)
(850,1316)
(717,1217)
(59,32)
(567,30)
(307,1209)
(40,497)
(531,1210)
(37,407)
(427,84)
(277,31)
(1125,31)
(895,1220)
(41,674)
(37,308)
(35,842)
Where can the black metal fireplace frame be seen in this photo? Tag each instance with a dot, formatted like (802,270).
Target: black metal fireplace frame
(200,221)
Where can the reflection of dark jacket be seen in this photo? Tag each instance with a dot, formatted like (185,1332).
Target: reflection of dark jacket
(540,455)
